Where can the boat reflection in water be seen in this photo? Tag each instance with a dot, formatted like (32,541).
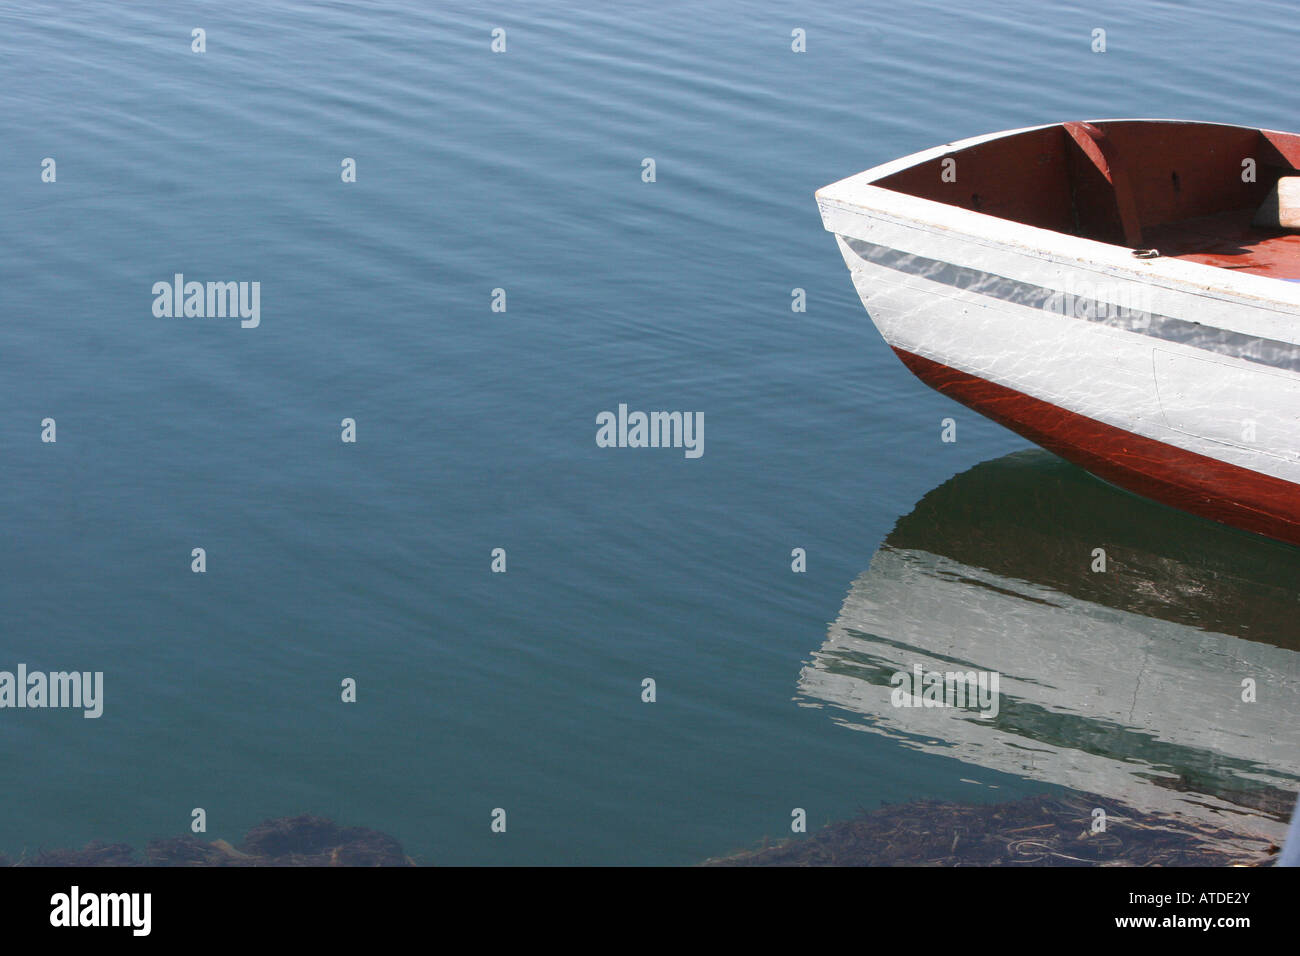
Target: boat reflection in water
(1126,682)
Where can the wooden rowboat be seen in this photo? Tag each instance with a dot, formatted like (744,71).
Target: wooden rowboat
(1124,293)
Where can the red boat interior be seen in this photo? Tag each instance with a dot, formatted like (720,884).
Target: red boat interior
(1189,190)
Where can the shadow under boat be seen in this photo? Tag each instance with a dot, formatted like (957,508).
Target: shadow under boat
(1126,682)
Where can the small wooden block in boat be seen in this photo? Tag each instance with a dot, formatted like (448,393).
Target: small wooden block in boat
(1281,209)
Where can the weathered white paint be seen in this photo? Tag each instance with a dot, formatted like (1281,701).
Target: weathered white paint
(1108,374)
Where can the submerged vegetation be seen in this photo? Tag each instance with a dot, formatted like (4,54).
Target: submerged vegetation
(1035,831)
(287,841)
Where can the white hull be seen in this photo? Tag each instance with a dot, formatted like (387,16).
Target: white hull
(1178,394)
(1198,362)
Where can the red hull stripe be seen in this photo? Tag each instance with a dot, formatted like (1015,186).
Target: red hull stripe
(1204,486)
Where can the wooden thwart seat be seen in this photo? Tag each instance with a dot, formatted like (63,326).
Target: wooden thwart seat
(1098,148)
(1281,210)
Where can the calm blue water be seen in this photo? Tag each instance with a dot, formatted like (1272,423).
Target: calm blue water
(476,429)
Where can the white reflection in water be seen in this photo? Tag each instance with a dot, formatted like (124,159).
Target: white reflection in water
(1126,682)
